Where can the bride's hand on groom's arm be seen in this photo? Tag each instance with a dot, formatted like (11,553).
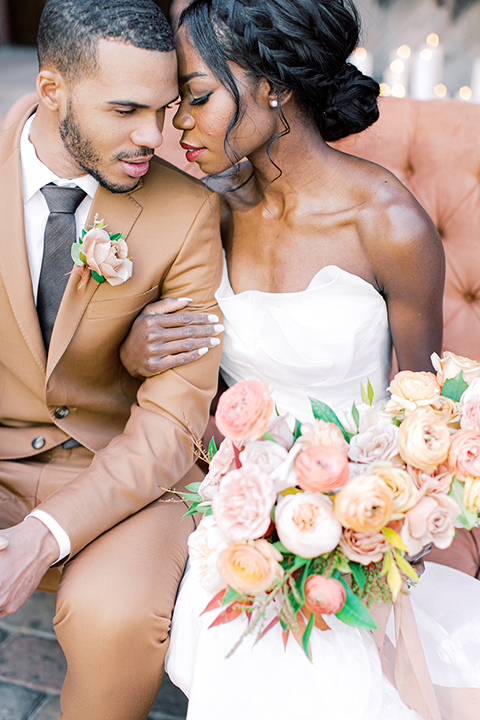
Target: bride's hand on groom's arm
(166,335)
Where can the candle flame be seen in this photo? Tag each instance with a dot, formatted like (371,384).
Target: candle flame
(404,52)
(433,40)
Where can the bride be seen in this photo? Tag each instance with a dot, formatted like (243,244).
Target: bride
(328,259)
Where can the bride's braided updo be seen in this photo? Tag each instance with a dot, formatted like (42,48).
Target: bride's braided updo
(297,45)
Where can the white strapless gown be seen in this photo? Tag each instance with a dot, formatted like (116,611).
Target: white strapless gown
(321,343)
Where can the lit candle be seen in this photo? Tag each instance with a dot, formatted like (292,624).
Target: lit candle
(475,84)
(363,60)
(427,70)
(396,75)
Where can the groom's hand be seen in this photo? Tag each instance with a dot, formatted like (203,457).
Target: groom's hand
(26,552)
(165,335)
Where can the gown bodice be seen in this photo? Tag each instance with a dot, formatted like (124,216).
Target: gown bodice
(321,342)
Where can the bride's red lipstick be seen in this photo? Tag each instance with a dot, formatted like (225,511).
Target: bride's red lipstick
(192,152)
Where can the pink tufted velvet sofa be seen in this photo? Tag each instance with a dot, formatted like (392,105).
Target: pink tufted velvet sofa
(433,147)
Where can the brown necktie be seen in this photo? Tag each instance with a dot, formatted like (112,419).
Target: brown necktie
(60,233)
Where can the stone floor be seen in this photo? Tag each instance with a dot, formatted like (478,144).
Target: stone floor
(32,668)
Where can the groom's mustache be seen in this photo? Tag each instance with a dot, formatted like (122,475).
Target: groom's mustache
(134,154)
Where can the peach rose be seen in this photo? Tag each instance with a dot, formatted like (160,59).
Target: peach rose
(471,494)
(250,568)
(464,454)
(430,521)
(405,493)
(244,410)
(242,505)
(424,440)
(321,469)
(410,390)
(324,595)
(451,365)
(321,432)
(439,482)
(470,414)
(107,257)
(365,504)
(447,410)
(306,524)
(222,462)
(378,442)
(364,548)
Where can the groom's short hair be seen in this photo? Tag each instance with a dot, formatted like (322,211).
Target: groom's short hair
(69,32)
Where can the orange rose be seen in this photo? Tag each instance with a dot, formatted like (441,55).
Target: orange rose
(405,493)
(451,365)
(410,390)
(250,568)
(321,469)
(365,504)
(424,440)
(324,595)
(244,410)
(464,455)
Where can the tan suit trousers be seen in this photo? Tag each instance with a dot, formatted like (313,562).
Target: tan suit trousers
(115,599)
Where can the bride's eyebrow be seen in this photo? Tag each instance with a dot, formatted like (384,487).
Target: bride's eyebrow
(190,76)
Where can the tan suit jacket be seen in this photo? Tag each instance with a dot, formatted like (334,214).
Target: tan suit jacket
(138,430)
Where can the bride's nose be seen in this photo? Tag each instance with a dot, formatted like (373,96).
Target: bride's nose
(183,119)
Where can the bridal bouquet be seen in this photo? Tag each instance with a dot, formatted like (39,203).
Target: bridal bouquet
(323,518)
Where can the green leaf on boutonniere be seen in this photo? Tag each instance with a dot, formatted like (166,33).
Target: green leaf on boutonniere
(321,411)
(84,232)
(354,611)
(97,277)
(115,236)
(75,252)
(465,516)
(454,388)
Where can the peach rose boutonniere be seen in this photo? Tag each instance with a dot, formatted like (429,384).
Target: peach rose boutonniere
(102,255)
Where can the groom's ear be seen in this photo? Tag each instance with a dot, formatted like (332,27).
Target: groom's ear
(51,88)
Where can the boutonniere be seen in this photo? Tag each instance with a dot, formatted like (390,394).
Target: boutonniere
(101,254)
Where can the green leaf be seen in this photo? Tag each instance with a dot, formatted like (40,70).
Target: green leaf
(354,611)
(75,253)
(297,430)
(281,548)
(454,388)
(193,487)
(358,573)
(192,496)
(321,411)
(115,236)
(230,595)
(267,436)
(364,395)
(84,232)
(192,510)
(369,392)
(212,449)
(465,516)
(300,583)
(97,277)
(306,636)
(356,416)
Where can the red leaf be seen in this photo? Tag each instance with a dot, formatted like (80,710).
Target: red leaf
(216,602)
(318,621)
(285,634)
(298,634)
(269,627)
(229,614)
(236,452)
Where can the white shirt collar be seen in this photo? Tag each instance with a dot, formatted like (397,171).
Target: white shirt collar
(35,174)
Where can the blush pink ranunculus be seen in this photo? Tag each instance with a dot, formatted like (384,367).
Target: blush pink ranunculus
(365,504)
(241,506)
(244,410)
(222,462)
(321,432)
(464,454)
(324,595)
(251,567)
(321,469)
(430,521)
(306,524)
(107,257)
(470,414)
(424,440)
(364,548)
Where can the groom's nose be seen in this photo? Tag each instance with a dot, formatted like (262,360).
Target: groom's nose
(149,132)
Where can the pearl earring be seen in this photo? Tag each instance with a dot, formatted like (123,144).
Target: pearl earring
(273,103)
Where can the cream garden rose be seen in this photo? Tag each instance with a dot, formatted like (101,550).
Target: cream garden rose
(222,462)
(450,365)
(424,440)
(364,548)
(205,545)
(471,495)
(266,454)
(405,493)
(251,567)
(411,390)
(306,524)
(378,442)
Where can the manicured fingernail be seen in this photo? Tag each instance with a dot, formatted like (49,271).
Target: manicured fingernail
(184,300)
(212,318)
(203,351)
(218,328)
(214,341)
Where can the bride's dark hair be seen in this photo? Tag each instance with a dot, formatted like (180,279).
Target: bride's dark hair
(297,45)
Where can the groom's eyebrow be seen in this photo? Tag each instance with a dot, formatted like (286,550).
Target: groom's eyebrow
(186,78)
(131,104)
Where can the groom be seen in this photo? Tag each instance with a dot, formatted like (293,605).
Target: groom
(85,449)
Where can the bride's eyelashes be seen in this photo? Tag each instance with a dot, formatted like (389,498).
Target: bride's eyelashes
(200,100)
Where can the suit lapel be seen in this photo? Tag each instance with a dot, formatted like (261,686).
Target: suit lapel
(14,265)
(120,211)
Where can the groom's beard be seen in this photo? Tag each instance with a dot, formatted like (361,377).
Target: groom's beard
(85,154)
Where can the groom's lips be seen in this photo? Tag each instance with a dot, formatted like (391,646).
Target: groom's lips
(137,167)
(192,152)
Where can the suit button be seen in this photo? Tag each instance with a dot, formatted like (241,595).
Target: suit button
(61,412)
(38,442)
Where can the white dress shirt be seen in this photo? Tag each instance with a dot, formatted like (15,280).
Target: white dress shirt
(34,176)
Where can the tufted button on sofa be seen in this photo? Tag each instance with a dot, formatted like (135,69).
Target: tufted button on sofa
(433,147)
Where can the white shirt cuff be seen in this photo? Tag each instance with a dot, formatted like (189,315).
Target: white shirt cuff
(57,531)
